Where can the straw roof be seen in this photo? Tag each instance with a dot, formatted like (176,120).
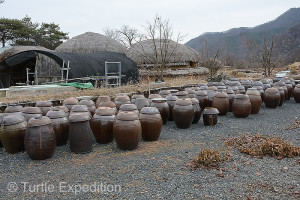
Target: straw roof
(18,49)
(144,52)
(91,42)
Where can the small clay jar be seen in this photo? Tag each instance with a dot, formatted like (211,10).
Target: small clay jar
(173,92)
(13,110)
(135,96)
(202,85)
(63,108)
(90,105)
(195,88)
(130,108)
(163,107)
(70,102)
(121,99)
(255,100)
(234,83)
(241,106)
(203,88)
(242,89)
(109,104)
(231,96)
(191,93)
(202,98)
(261,91)
(31,112)
(296,93)
(12,133)
(257,83)
(282,95)
(221,88)
(283,85)
(210,116)
(45,106)
(80,109)
(182,94)
(235,89)
(60,125)
(102,124)
(210,94)
(221,102)
(102,99)
(197,110)
(164,93)
(141,103)
(127,130)
(289,86)
(183,113)
(151,122)
(247,84)
(272,98)
(171,102)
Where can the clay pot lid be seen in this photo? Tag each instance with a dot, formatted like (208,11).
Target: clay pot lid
(164,92)
(32,110)
(221,87)
(280,83)
(201,93)
(128,107)
(246,82)
(221,95)
(251,89)
(257,83)
(182,93)
(13,109)
(122,97)
(88,103)
(234,83)
(43,104)
(241,96)
(195,88)
(258,87)
(39,121)
(79,117)
(241,87)
(173,91)
(218,84)
(104,98)
(287,81)
(271,90)
(150,111)
(202,84)
(107,104)
(214,88)
(174,98)
(265,81)
(252,92)
(152,96)
(12,119)
(56,113)
(234,88)
(279,88)
(190,91)
(127,116)
(105,111)
(135,96)
(210,111)
(64,108)
(183,102)
(229,91)
(203,87)
(71,101)
(194,101)
(79,108)
(159,100)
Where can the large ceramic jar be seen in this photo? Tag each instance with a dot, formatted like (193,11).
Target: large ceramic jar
(241,106)
(247,84)
(235,89)
(102,125)
(173,92)
(197,110)
(171,102)
(261,91)
(221,102)
(163,107)
(127,130)
(255,100)
(221,88)
(70,102)
(257,83)
(80,133)
(13,110)
(63,108)
(151,122)
(272,98)
(183,113)
(102,99)
(202,85)
(296,93)
(164,93)
(153,96)
(141,103)
(109,104)
(195,88)
(289,86)
(282,95)
(45,106)
(182,94)
(130,108)
(40,139)
(90,105)
(202,98)
(135,96)
(191,93)
(210,116)
(80,109)
(282,84)
(12,133)
(31,112)
(242,89)
(231,96)
(266,83)
(121,99)
(60,125)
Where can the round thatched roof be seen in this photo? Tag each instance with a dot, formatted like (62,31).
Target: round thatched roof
(91,42)
(144,52)
(9,51)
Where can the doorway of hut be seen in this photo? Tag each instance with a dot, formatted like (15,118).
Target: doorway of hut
(18,73)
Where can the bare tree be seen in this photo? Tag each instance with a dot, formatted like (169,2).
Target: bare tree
(112,33)
(129,36)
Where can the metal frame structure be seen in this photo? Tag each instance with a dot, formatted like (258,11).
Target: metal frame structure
(113,75)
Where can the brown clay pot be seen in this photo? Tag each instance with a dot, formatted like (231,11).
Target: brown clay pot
(231,96)
(130,108)
(80,109)
(40,139)
(182,94)
(261,91)
(102,125)
(60,125)
(241,106)
(31,112)
(247,84)
(183,113)
(109,104)
(283,85)
(13,110)
(90,105)
(135,96)
(153,96)
(171,102)
(191,93)
(197,110)
(163,107)
(221,102)
(202,98)
(151,122)
(282,95)
(210,116)
(121,99)
(127,130)
(45,106)
(173,92)
(12,133)
(164,93)
(70,102)
(255,100)
(210,94)
(272,98)
(141,102)
(296,93)
(289,86)
(102,99)
(63,108)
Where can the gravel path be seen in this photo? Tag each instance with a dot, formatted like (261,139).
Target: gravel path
(158,169)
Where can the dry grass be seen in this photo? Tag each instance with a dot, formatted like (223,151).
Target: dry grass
(258,145)
(294,68)
(240,75)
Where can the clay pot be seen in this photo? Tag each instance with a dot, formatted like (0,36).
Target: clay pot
(202,85)
(102,124)
(70,102)
(130,108)
(31,112)
(202,98)
(40,139)
(141,103)
(63,108)
(173,92)
(235,89)
(13,110)
(255,100)
(109,104)
(121,99)
(247,84)
(197,110)
(183,113)
(231,96)
(272,98)
(234,83)
(102,99)
(151,122)
(210,95)
(282,95)
(135,96)
(221,102)
(182,94)
(289,86)
(283,85)
(195,88)
(60,125)
(163,107)
(80,133)
(296,93)
(261,91)
(241,106)
(45,106)
(12,133)
(127,130)
(257,83)
(164,93)
(242,89)
(210,116)
(90,105)
(191,93)
(221,88)
(80,109)
(171,102)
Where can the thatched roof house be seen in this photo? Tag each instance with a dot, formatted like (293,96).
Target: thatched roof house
(91,42)
(148,52)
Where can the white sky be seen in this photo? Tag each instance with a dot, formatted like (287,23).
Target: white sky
(189,17)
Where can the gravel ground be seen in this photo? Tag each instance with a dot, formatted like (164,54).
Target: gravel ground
(158,169)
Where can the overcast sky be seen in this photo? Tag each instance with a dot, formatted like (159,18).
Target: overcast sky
(189,17)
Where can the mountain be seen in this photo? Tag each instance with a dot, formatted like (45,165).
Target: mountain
(232,42)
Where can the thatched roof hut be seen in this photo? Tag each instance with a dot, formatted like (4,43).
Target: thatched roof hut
(144,52)
(91,42)
(12,50)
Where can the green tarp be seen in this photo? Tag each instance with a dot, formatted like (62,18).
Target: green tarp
(78,85)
